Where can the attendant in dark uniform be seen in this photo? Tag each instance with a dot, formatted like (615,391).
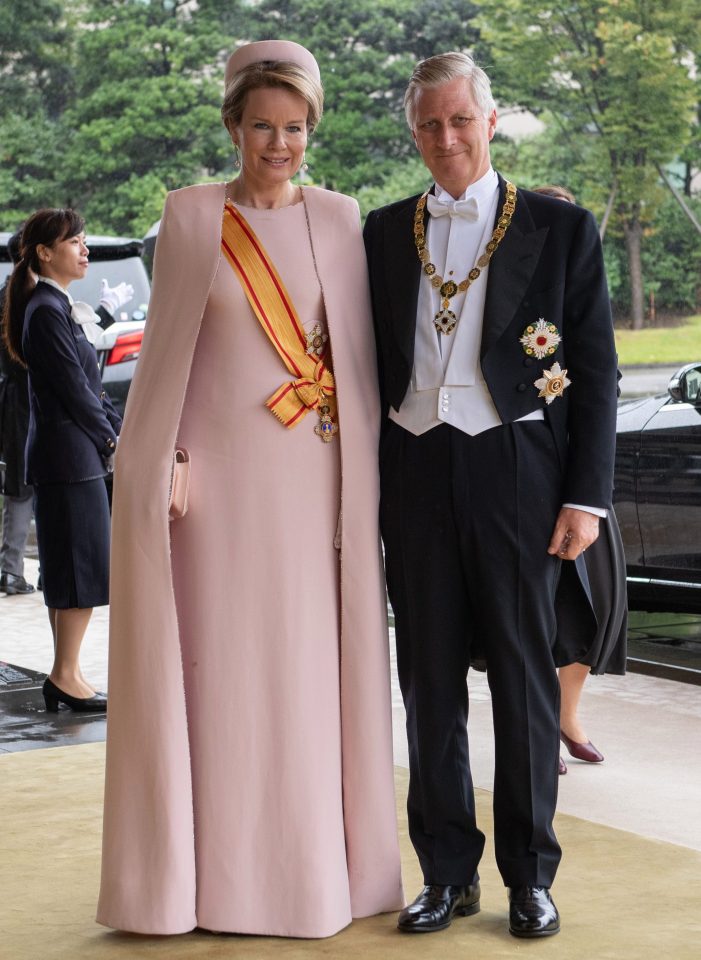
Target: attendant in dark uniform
(18,496)
(72,437)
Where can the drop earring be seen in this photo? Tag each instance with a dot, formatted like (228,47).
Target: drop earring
(237,157)
(305,165)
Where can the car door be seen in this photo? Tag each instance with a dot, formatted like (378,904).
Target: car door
(669,484)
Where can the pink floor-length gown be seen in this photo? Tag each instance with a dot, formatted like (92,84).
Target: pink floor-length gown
(256,579)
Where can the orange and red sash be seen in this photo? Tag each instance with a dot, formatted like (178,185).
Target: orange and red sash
(314,384)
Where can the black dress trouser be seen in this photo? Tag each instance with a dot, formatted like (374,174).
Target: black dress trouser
(466,523)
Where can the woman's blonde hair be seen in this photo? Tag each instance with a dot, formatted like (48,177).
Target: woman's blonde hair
(272,73)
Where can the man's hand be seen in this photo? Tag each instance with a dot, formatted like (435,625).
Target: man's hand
(574,531)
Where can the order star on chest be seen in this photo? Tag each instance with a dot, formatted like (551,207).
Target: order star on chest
(540,339)
(316,340)
(552,384)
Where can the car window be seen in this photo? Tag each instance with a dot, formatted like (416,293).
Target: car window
(130,270)
(692,384)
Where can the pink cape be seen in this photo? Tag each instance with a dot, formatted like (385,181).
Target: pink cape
(148,867)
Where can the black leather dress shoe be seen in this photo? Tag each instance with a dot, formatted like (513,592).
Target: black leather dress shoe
(13,585)
(53,695)
(532,912)
(436,905)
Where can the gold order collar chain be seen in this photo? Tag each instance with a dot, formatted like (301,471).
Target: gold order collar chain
(445,320)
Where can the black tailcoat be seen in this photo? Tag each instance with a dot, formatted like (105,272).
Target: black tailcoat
(549,265)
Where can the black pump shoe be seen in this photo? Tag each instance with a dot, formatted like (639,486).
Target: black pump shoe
(436,905)
(532,912)
(53,696)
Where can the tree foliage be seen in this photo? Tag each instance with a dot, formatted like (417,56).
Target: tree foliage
(617,71)
(36,84)
(107,104)
(145,118)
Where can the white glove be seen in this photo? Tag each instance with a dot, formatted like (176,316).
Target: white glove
(112,298)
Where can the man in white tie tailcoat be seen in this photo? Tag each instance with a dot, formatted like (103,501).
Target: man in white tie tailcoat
(498,377)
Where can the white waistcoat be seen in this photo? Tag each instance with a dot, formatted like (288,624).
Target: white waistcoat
(447,385)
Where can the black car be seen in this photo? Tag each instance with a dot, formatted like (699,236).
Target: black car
(117,260)
(657,496)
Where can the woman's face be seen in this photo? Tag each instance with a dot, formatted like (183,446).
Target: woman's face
(272,135)
(66,260)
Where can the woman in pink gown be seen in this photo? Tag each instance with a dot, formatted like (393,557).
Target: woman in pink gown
(249,766)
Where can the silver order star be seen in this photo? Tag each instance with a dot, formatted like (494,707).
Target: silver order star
(553,383)
(316,340)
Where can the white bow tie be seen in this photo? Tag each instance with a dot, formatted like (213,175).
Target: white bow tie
(467,209)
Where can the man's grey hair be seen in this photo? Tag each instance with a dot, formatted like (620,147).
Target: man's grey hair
(444,67)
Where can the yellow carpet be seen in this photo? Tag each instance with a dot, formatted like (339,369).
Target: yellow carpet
(621,897)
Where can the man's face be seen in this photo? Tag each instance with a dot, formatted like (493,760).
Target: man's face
(452,136)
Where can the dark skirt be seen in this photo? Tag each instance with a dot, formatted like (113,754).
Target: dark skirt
(73,536)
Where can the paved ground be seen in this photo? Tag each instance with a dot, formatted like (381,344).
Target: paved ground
(648,729)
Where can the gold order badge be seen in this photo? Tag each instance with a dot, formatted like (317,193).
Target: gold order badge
(445,320)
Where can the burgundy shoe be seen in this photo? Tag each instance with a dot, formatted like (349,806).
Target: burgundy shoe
(561,767)
(582,751)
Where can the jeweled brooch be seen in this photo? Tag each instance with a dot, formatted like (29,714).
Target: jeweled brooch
(540,339)
(553,383)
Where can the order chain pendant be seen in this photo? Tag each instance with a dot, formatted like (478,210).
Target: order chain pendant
(445,321)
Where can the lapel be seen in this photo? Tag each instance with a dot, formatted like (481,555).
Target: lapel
(510,270)
(402,275)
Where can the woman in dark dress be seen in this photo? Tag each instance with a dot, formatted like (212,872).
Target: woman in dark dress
(72,437)
(606,571)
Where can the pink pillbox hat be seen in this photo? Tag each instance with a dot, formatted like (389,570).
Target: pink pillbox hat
(271,50)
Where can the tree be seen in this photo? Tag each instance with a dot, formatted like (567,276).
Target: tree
(613,70)
(146,111)
(34,72)
(35,85)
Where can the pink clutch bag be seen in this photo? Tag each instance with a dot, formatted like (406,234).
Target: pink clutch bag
(179,485)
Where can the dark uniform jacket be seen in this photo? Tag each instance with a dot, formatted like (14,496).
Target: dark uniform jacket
(73,426)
